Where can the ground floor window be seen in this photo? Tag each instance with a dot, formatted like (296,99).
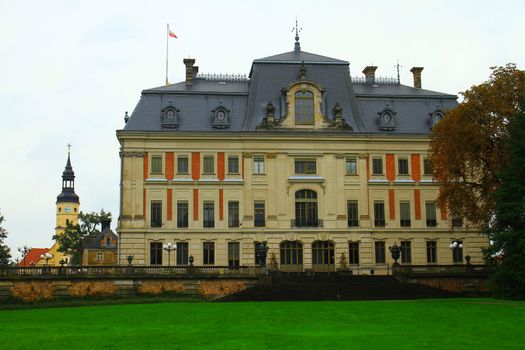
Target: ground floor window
(380,252)
(353,253)
(291,256)
(431,252)
(406,252)
(323,258)
(182,253)
(208,253)
(155,253)
(233,254)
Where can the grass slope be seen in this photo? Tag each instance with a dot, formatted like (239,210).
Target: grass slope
(419,324)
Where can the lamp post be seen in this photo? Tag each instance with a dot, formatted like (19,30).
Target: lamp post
(455,246)
(169,247)
(24,250)
(46,257)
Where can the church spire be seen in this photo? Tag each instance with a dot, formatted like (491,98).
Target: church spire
(297,46)
(68,182)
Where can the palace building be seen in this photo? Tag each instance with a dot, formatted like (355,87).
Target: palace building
(327,170)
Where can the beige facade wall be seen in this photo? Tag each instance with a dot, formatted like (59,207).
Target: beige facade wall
(276,187)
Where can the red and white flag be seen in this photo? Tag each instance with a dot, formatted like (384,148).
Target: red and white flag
(171,34)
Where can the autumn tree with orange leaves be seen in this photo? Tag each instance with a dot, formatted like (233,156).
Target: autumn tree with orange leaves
(468,148)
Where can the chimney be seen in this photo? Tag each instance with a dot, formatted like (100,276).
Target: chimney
(370,74)
(416,72)
(191,71)
(105,224)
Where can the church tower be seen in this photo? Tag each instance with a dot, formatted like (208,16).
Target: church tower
(67,209)
(67,205)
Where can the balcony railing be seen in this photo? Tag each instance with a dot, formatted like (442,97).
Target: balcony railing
(299,223)
(126,270)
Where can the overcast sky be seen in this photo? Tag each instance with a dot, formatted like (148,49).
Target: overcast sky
(70,69)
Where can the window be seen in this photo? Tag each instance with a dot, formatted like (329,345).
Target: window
(427,167)
(457,221)
(100,256)
(404,214)
(182,214)
(182,165)
(351,165)
(208,214)
(304,107)
(182,253)
(208,165)
(258,165)
(430,210)
(406,252)
(377,166)
(208,253)
(291,254)
(233,214)
(233,165)
(108,241)
(431,252)
(352,213)
(323,253)
(156,164)
(353,253)
(258,214)
(306,209)
(155,253)
(233,254)
(457,253)
(402,166)
(305,166)
(156,214)
(379,214)
(380,252)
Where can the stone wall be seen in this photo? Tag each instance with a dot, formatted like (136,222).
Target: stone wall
(35,290)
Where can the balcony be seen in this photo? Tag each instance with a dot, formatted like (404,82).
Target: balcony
(296,223)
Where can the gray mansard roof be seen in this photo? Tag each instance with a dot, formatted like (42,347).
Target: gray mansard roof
(246,98)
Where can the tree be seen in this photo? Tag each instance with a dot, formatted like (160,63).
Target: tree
(71,239)
(5,252)
(468,147)
(508,230)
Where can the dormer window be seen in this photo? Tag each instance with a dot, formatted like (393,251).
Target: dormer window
(387,119)
(304,107)
(220,117)
(170,117)
(435,116)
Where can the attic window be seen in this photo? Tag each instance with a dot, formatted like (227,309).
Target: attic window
(304,107)
(436,118)
(220,117)
(387,120)
(170,117)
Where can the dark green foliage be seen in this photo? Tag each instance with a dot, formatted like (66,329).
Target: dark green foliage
(5,252)
(508,229)
(71,239)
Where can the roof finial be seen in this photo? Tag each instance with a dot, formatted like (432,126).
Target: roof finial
(297,47)
(68,149)
(398,66)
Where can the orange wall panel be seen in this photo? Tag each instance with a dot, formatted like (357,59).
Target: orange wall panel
(195,165)
(170,204)
(416,167)
(390,167)
(417,203)
(220,166)
(444,212)
(392,204)
(170,165)
(146,165)
(195,204)
(221,204)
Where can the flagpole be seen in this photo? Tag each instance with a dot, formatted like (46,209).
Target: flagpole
(167,38)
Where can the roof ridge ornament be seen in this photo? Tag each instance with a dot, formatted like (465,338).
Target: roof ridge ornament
(297,46)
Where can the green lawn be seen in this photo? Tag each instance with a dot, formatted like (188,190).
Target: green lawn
(419,324)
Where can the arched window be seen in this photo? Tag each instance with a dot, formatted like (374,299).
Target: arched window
(304,107)
(291,256)
(323,257)
(306,209)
